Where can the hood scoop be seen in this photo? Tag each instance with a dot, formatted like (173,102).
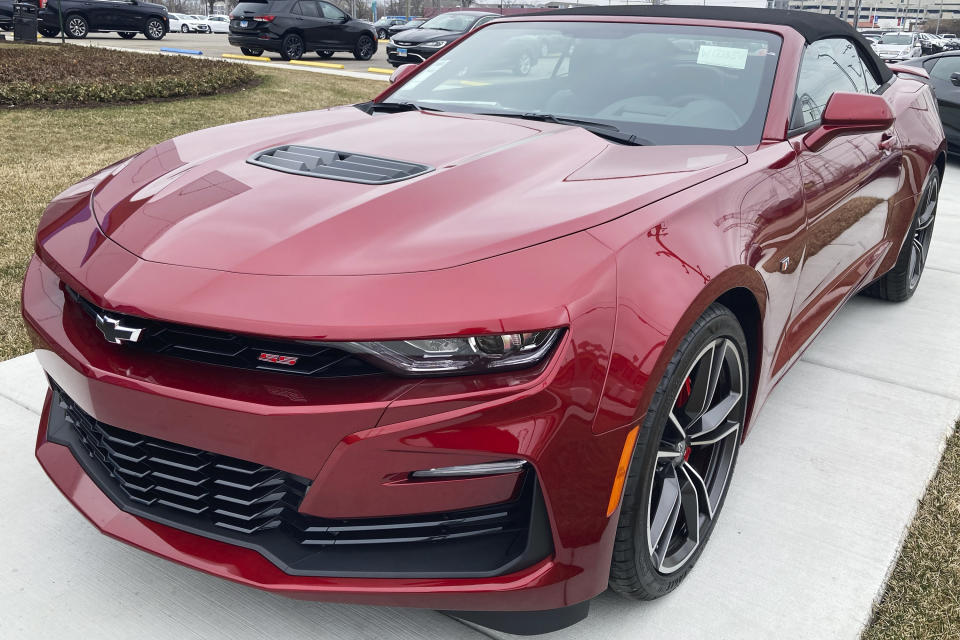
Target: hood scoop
(337,165)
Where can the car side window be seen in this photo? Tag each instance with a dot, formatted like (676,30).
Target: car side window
(331,12)
(828,66)
(944,67)
(308,8)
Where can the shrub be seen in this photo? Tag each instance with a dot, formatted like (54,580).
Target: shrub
(70,75)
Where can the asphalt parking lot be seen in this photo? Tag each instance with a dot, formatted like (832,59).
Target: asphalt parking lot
(214,45)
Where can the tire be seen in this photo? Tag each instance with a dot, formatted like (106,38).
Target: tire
(184,29)
(154,29)
(524,64)
(48,32)
(292,47)
(127,35)
(76,26)
(382,34)
(901,282)
(251,52)
(323,55)
(365,48)
(678,473)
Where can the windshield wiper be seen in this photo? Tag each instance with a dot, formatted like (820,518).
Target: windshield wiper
(395,107)
(601,129)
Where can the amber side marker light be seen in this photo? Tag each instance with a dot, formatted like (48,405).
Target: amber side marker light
(621,476)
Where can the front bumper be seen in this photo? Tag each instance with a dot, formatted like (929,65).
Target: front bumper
(414,54)
(354,441)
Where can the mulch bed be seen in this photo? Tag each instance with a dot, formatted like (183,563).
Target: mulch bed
(69,75)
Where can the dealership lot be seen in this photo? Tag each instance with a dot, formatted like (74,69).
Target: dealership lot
(827,483)
(214,45)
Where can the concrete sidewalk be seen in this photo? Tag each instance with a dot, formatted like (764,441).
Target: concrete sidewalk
(825,488)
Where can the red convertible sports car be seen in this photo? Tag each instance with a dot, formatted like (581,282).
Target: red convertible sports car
(490,342)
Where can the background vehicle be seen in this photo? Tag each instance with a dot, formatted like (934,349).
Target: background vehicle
(382,26)
(416,45)
(944,71)
(293,27)
(188,24)
(410,391)
(901,45)
(219,24)
(6,14)
(81,17)
(413,24)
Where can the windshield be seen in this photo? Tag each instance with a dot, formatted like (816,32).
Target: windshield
(663,84)
(897,38)
(452,21)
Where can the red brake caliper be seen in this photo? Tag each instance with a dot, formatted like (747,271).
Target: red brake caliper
(682,398)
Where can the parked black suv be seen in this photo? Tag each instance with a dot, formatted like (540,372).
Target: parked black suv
(416,45)
(6,15)
(126,17)
(293,27)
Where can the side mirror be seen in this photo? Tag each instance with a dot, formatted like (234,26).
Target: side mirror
(402,72)
(955,79)
(848,113)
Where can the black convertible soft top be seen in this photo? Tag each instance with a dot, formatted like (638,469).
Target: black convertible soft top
(812,26)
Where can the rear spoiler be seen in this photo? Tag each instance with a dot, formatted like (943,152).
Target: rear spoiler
(920,72)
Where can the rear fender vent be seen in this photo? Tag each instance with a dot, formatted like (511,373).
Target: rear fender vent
(337,165)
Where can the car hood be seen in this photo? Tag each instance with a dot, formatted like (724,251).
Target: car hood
(497,185)
(893,48)
(417,36)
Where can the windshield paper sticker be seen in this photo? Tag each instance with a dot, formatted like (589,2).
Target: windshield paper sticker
(729,57)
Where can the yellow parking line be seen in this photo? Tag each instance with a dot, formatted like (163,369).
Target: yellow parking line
(325,65)
(379,70)
(474,83)
(383,41)
(239,57)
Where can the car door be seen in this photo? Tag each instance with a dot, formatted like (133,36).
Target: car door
(946,86)
(307,17)
(848,184)
(333,32)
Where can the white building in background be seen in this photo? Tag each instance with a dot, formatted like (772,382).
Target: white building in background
(891,12)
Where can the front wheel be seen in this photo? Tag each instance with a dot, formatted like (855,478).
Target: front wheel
(155,29)
(683,460)
(292,47)
(901,282)
(127,35)
(382,34)
(184,29)
(524,64)
(77,27)
(365,48)
(255,53)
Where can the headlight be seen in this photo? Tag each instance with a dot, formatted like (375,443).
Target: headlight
(446,356)
(436,44)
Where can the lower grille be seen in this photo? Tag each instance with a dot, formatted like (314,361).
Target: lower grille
(255,506)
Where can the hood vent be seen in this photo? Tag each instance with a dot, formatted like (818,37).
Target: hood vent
(337,165)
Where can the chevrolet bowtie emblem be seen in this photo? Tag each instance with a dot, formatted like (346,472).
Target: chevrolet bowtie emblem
(115,332)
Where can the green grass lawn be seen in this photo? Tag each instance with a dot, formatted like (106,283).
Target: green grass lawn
(43,151)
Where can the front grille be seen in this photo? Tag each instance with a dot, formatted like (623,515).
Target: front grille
(255,506)
(337,165)
(233,349)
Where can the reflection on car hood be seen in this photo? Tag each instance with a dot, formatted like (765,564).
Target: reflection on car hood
(497,185)
(417,36)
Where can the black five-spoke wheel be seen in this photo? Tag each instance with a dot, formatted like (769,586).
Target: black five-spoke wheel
(923,230)
(695,455)
(684,458)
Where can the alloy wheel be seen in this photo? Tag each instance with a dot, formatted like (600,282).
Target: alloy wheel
(184,29)
(155,29)
(923,232)
(695,455)
(293,48)
(77,27)
(365,48)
